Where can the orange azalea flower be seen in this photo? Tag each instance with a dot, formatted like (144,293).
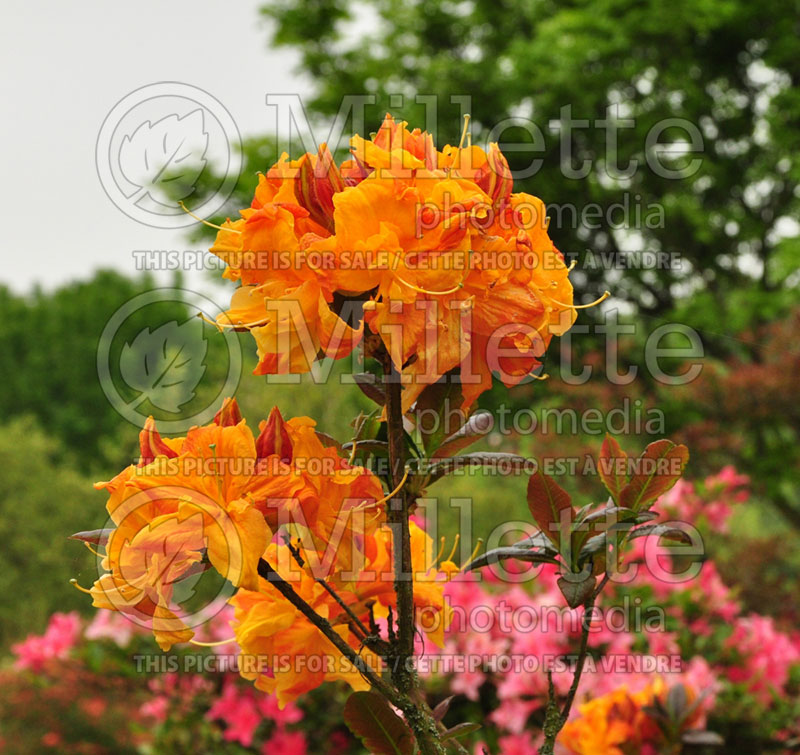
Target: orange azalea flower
(215,498)
(268,626)
(457,272)
(618,722)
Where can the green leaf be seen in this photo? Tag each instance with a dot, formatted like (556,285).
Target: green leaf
(328,440)
(370,717)
(460,730)
(440,711)
(439,413)
(367,382)
(656,473)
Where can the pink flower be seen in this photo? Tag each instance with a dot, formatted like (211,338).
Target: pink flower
(512,715)
(237,708)
(284,742)
(517,744)
(156,708)
(291,714)
(60,637)
(110,625)
(767,656)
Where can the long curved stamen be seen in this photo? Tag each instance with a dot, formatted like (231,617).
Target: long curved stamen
(205,222)
(455,546)
(221,327)
(474,552)
(396,490)
(353,452)
(435,561)
(426,291)
(464,131)
(572,266)
(92,550)
(74,583)
(212,644)
(543,376)
(388,496)
(605,296)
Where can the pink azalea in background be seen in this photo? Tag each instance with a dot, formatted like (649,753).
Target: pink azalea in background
(284,742)
(766,653)
(268,705)
(156,708)
(112,625)
(61,635)
(517,744)
(237,708)
(242,709)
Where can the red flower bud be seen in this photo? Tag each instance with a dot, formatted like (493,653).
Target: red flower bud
(151,445)
(229,414)
(274,438)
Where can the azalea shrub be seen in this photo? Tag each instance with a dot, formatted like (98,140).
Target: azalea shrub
(432,277)
(669,660)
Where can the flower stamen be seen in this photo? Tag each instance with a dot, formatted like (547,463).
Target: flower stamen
(204,222)
(605,296)
(464,132)
(212,644)
(74,583)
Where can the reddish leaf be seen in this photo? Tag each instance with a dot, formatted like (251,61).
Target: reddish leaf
(658,469)
(576,592)
(476,427)
(440,711)
(95,537)
(546,500)
(613,467)
(373,721)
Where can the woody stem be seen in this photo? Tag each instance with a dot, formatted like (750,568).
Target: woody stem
(554,718)
(401,654)
(397,516)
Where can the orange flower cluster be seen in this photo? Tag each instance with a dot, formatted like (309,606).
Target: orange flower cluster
(268,626)
(619,723)
(224,498)
(430,249)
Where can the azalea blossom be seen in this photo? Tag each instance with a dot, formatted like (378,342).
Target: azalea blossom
(432,251)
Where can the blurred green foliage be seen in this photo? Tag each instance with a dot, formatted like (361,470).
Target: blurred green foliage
(729,68)
(42,500)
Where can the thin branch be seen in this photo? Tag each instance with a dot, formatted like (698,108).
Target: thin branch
(397,516)
(555,719)
(267,572)
(355,623)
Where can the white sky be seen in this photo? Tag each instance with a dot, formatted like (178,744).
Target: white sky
(64,66)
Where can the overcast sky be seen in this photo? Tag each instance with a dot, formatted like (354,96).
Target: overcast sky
(65,65)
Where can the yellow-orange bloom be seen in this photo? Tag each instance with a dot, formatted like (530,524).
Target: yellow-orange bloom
(619,722)
(215,499)
(267,626)
(458,271)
